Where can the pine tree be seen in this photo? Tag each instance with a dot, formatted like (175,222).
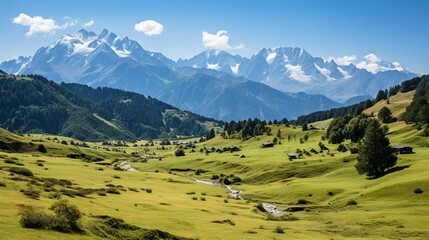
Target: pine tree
(375,153)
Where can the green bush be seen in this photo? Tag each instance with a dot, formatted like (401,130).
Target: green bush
(418,191)
(148,190)
(302,202)
(68,216)
(34,218)
(351,203)
(9,161)
(22,171)
(179,152)
(41,148)
(2,184)
(279,230)
(33,193)
(112,190)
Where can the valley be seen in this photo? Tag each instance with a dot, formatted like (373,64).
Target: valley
(322,194)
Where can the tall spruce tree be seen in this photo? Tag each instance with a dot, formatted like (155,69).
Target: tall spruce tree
(375,153)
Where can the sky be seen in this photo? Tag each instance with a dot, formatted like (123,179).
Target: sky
(356,31)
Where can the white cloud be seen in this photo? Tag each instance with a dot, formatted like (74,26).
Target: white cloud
(297,73)
(219,41)
(38,24)
(372,58)
(89,23)
(149,27)
(344,60)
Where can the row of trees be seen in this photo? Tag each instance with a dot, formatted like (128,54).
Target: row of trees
(418,110)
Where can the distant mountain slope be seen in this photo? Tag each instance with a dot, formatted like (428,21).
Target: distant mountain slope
(235,100)
(295,70)
(34,104)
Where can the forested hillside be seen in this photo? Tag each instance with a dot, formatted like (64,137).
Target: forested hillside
(33,104)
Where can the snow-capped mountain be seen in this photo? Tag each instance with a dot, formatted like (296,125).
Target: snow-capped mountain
(216,60)
(98,60)
(214,83)
(295,70)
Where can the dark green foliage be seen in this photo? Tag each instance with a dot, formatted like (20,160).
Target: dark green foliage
(341,148)
(302,202)
(179,152)
(279,230)
(249,128)
(381,95)
(32,193)
(73,110)
(375,153)
(305,127)
(41,148)
(211,134)
(418,191)
(418,110)
(355,129)
(335,132)
(351,203)
(385,115)
(66,218)
(21,171)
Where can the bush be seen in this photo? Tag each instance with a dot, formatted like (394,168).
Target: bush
(351,203)
(9,161)
(2,184)
(418,191)
(64,142)
(112,190)
(279,229)
(194,198)
(179,152)
(148,190)
(341,148)
(34,218)
(302,202)
(41,148)
(22,171)
(33,193)
(68,216)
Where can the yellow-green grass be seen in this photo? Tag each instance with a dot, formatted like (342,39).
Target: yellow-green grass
(386,207)
(397,104)
(321,124)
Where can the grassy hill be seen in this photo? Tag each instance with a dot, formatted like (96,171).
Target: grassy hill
(397,104)
(32,104)
(319,191)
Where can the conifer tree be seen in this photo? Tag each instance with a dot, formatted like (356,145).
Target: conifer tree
(375,153)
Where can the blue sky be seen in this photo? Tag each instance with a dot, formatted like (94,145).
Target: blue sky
(392,30)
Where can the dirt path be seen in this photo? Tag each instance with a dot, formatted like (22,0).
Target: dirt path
(125,165)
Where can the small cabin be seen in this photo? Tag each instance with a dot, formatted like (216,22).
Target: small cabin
(267,144)
(399,149)
(292,156)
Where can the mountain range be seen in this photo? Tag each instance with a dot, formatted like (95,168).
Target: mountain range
(274,83)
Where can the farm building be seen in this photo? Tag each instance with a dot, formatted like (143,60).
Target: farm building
(267,144)
(399,149)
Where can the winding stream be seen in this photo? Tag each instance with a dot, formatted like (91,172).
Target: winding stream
(237,194)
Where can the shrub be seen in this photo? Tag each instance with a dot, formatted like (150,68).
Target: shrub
(34,218)
(202,198)
(22,171)
(179,152)
(2,184)
(112,190)
(41,148)
(68,216)
(9,161)
(190,193)
(302,202)
(194,198)
(33,193)
(351,203)
(418,191)
(225,200)
(279,230)
(148,190)
(64,142)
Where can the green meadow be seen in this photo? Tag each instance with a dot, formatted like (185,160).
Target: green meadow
(322,194)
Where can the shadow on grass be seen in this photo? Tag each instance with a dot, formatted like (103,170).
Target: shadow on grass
(391,170)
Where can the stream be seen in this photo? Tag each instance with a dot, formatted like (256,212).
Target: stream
(233,193)
(237,194)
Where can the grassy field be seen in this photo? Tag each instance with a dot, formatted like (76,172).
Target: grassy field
(326,197)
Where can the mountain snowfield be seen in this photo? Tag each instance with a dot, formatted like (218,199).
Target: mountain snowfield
(278,77)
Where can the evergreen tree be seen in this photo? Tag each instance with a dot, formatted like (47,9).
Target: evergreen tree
(305,127)
(279,134)
(385,115)
(375,153)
